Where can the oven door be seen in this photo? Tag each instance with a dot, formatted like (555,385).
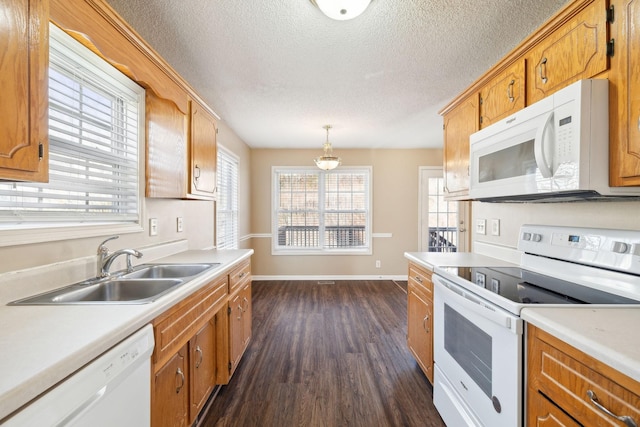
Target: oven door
(479,357)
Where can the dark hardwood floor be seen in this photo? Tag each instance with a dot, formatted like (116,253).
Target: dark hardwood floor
(327,355)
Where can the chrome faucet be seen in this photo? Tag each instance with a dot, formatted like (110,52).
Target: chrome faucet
(106,259)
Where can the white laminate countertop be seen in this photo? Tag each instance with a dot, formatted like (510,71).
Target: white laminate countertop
(430,260)
(608,334)
(42,345)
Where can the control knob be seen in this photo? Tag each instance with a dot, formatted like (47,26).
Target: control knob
(536,237)
(620,247)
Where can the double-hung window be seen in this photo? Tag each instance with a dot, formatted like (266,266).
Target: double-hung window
(319,212)
(96,132)
(227,200)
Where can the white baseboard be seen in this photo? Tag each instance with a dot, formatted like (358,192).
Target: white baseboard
(311,277)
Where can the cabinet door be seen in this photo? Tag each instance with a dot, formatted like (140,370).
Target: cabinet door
(236,331)
(459,124)
(170,397)
(542,413)
(503,96)
(624,110)
(202,356)
(246,316)
(576,50)
(24,55)
(166,159)
(419,328)
(203,152)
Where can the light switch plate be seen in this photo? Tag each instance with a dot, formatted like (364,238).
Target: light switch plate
(495,227)
(153,226)
(179,224)
(481,226)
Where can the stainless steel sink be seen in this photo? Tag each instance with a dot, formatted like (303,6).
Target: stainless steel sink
(167,271)
(145,284)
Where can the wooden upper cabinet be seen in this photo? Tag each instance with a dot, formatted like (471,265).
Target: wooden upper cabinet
(624,108)
(24,54)
(166,150)
(459,123)
(503,95)
(203,149)
(575,50)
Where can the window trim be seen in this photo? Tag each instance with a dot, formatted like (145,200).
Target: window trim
(48,231)
(276,250)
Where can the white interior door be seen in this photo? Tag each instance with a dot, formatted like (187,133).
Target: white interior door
(443,224)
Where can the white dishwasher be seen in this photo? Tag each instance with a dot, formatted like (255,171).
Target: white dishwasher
(112,390)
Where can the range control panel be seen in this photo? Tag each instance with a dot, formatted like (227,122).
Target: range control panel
(607,248)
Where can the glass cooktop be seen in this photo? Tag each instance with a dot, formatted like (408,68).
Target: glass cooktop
(527,287)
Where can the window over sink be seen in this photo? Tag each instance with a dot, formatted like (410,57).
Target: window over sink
(96,135)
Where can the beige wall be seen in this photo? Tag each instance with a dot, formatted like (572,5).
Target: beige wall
(198,223)
(622,215)
(395,211)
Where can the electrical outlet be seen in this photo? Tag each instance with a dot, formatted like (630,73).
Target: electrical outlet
(495,227)
(378,264)
(153,226)
(481,226)
(179,224)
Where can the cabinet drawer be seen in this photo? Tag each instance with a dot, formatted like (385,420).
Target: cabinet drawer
(566,376)
(174,328)
(239,276)
(422,278)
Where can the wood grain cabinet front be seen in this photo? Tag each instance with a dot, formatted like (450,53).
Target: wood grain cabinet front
(420,318)
(624,107)
(567,387)
(503,95)
(575,50)
(235,327)
(203,153)
(24,56)
(185,357)
(459,124)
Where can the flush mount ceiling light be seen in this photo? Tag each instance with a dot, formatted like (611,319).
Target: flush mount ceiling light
(327,161)
(341,10)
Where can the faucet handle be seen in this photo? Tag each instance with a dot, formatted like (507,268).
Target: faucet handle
(102,248)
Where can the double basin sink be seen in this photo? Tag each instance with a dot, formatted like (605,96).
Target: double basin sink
(144,284)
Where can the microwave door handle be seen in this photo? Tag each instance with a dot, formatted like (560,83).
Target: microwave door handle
(538,149)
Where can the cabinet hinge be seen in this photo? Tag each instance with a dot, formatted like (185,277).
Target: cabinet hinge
(229,310)
(610,15)
(480,119)
(230,366)
(40,151)
(611,47)
(481,101)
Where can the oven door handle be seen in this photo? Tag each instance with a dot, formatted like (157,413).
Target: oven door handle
(478,306)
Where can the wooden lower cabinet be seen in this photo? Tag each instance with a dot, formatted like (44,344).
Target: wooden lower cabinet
(170,394)
(234,326)
(202,373)
(564,385)
(420,318)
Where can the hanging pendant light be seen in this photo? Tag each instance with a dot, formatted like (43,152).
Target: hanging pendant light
(342,10)
(327,161)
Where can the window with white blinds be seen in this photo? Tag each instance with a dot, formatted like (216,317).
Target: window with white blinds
(227,200)
(321,212)
(96,119)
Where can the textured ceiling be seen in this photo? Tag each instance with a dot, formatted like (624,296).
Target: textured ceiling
(276,71)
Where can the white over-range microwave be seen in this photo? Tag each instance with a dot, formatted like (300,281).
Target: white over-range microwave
(556,149)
